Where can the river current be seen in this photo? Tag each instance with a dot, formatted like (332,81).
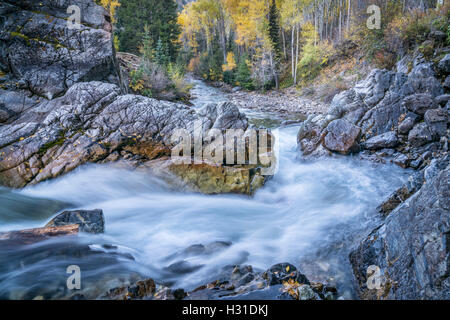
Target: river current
(311,214)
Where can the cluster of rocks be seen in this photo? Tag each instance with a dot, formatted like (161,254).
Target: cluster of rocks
(286,102)
(54,117)
(284,280)
(400,117)
(389,115)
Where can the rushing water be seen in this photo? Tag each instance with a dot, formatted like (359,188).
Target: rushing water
(310,214)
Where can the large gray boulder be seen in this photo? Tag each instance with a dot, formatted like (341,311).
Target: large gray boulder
(342,137)
(42,56)
(411,248)
(93,123)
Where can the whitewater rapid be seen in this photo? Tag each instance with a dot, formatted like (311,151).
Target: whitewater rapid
(311,213)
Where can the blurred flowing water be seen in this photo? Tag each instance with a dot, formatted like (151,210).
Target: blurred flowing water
(309,214)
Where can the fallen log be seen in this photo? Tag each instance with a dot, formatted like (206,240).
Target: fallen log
(30,236)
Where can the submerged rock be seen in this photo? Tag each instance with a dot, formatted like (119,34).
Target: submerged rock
(91,221)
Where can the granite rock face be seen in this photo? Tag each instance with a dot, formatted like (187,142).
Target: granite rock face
(42,55)
(411,247)
(92,122)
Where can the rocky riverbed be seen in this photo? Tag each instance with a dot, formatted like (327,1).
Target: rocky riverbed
(88,182)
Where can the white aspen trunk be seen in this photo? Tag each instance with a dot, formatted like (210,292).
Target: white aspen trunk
(296,55)
(349,14)
(292,53)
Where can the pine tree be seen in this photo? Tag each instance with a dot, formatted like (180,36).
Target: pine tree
(274,35)
(274,28)
(243,74)
(146,48)
(162,56)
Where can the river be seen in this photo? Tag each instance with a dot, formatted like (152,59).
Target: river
(310,214)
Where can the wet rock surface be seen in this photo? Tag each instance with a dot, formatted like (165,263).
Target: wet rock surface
(30,236)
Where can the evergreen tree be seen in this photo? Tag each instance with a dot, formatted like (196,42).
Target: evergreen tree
(274,34)
(159,15)
(243,74)
(274,28)
(146,49)
(162,56)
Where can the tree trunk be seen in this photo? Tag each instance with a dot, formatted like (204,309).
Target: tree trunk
(273,66)
(296,55)
(349,15)
(292,53)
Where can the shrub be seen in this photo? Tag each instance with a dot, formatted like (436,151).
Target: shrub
(406,31)
(150,79)
(314,59)
(176,75)
(314,55)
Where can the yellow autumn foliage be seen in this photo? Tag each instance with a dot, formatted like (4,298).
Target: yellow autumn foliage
(231,62)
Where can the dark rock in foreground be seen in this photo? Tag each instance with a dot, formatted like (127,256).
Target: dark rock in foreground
(285,281)
(91,221)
